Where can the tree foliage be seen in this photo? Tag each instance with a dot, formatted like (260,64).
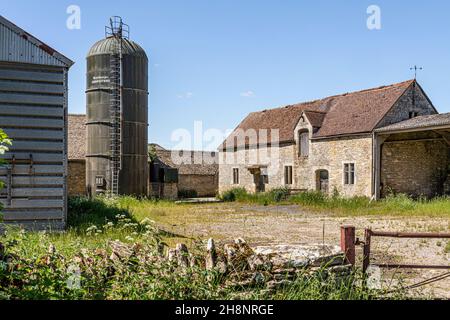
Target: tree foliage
(5,142)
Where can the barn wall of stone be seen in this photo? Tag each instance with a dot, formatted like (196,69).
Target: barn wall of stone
(204,185)
(418,168)
(414,100)
(330,155)
(77,178)
(168,191)
(275,158)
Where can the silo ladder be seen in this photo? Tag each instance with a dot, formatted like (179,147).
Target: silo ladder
(116,115)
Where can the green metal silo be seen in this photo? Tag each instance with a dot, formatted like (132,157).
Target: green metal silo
(117,114)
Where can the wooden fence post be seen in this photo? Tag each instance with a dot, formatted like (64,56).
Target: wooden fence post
(367,241)
(348,240)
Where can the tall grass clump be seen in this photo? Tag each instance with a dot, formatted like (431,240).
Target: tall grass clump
(398,204)
(236,194)
(264,198)
(320,285)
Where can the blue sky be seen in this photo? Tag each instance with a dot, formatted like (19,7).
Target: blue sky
(216,61)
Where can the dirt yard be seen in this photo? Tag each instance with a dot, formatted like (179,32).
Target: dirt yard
(261,225)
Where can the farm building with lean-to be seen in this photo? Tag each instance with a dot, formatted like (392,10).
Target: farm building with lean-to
(369,143)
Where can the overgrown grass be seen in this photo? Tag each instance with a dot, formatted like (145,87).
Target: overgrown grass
(29,271)
(392,205)
(241,195)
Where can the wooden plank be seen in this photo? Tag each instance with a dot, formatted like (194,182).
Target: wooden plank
(17,122)
(31,76)
(34,134)
(31,99)
(34,192)
(37,157)
(37,169)
(38,146)
(35,204)
(34,181)
(34,215)
(37,111)
(31,87)
(38,225)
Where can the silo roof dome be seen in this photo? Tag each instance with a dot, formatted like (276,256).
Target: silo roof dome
(106,46)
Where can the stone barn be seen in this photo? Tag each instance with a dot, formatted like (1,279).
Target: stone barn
(366,143)
(77,155)
(197,175)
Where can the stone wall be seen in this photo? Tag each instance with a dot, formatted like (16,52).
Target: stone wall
(415,168)
(274,158)
(414,100)
(204,185)
(77,178)
(330,155)
(167,191)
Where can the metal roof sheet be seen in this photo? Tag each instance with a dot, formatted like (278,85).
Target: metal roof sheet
(107,46)
(17,45)
(422,122)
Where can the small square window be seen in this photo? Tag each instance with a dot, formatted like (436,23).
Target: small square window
(413,114)
(349,174)
(99,181)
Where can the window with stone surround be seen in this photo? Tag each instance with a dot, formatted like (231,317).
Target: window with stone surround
(349,174)
(288,175)
(235,176)
(303,144)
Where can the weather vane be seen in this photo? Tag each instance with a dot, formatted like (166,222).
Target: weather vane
(416,68)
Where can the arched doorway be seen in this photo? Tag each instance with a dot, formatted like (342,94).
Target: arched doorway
(323,181)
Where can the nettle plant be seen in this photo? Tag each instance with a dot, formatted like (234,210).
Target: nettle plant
(5,142)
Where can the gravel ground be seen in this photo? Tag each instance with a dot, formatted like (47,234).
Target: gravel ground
(293,225)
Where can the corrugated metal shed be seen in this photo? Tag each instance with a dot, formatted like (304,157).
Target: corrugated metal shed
(33,112)
(20,46)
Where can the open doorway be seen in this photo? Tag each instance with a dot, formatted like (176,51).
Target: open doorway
(260,177)
(323,181)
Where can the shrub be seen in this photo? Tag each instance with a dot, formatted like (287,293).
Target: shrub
(447,248)
(279,195)
(187,193)
(236,194)
(84,212)
(399,202)
(309,198)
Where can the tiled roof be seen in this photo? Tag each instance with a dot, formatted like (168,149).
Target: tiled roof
(209,165)
(422,122)
(315,118)
(346,114)
(77,137)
